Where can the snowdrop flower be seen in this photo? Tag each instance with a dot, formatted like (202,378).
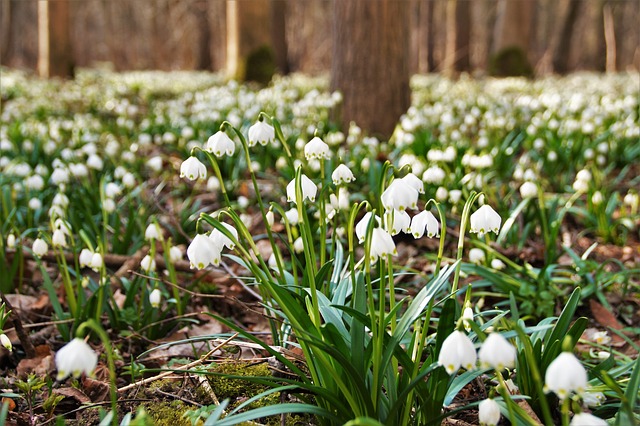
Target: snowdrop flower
(496,352)
(397,221)
(309,189)
(221,240)
(109,205)
(425,220)
(457,351)
(154,298)
(84,259)
(342,174)
(59,239)
(192,169)
(261,133)
(467,317)
(476,255)
(155,164)
(35,204)
(202,251)
(498,264)
(4,341)
(593,399)
(220,144)
(414,182)
(96,262)
(270,218)
(40,247)
(298,245)
(455,195)
(153,232)
(601,337)
(597,198)
(75,358)
(400,196)
(34,182)
(485,219)
(586,419)
(442,194)
(129,180)
(565,375)
(361,226)
(213,184)
(434,175)
(112,190)
(175,254)
(11,241)
(381,244)
(148,264)
(61,200)
(95,162)
(316,148)
(528,190)
(488,412)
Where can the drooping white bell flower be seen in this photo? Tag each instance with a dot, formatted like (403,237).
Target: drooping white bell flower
(397,221)
(11,241)
(488,412)
(221,240)
(485,219)
(342,174)
(153,232)
(316,148)
(414,182)
(175,254)
(261,133)
(112,190)
(476,255)
(361,226)
(75,358)
(381,244)
(96,262)
(155,297)
(202,252)
(59,239)
(84,259)
(4,341)
(309,189)
(496,352)
(270,218)
(148,264)
(292,216)
(399,195)
(434,175)
(528,190)
(565,375)
(425,220)
(586,419)
(457,351)
(220,144)
(193,169)
(40,247)
(593,399)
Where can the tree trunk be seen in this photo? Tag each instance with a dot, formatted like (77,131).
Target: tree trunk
(371,63)
(563,44)
(54,41)
(458,31)
(512,38)
(278,35)
(203,59)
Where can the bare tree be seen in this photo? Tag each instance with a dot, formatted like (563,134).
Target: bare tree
(54,41)
(458,34)
(371,62)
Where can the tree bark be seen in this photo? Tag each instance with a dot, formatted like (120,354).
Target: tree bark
(54,41)
(458,36)
(371,63)
(512,37)
(278,35)
(563,45)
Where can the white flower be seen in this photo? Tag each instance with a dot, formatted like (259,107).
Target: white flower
(148,264)
(597,198)
(488,412)
(397,221)
(270,218)
(261,133)
(40,247)
(528,190)
(292,216)
(154,297)
(84,259)
(381,244)
(95,162)
(565,375)
(35,204)
(59,239)
(316,148)
(129,180)
(442,194)
(75,358)
(361,226)
(457,351)
(112,190)
(192,169)
(586,419)
(221,240)
(220,144)
(476,255)
(213,184)
(425,220)
(498,264)
(11,241)
(485,219)
(601,337)
(309,189)
(4,341)
(298,245)
(175,254)
(342,174)
(593,399)
(153,232)
(109,205)
(455,195)
(96,262)
(400,196)
(496,352)
(434,175)
(414,182)
(202,251)
(467,317)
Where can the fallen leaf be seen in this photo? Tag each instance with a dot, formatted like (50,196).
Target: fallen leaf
(73,393)
(606,318)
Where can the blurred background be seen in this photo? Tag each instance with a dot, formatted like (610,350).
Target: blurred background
(499,37)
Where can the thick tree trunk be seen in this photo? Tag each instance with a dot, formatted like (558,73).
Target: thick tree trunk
(563,41)
(278,35)
(54,41)
(458,34)
(512,37)
(371,63)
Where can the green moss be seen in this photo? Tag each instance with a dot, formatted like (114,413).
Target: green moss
(167,413)
(232,388)
(260,66)
(510,61)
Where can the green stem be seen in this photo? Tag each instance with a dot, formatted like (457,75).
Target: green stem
(466,212)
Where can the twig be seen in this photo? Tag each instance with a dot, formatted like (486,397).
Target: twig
(171,395)
(22,334)
(184,367)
